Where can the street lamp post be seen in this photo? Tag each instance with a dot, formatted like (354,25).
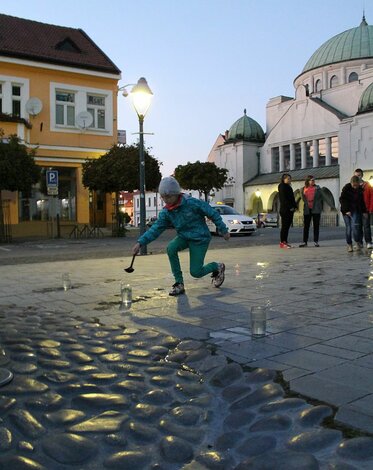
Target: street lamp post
(141,96)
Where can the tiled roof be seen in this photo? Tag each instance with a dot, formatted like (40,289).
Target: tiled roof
(321,172)
(31,40)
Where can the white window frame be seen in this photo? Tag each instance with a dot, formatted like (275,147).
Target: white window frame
(7,83)
(66,105)
(94,110)
(81,97)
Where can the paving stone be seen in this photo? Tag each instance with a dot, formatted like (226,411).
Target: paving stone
(20,463)
(281,460)
(23,368)
(25,446)
(26,423)
(103,377)
(101,400)
(193,435)
(47,401)
(109,421)
(6,404)
(5,439)
(59,377)
(130,386)
(272,423)
(340,466)
(226,375)
(257,445)
(189,389)
(141,432)
(189,345)
(228,440)
(261,395)
(128,460)
(147,412)
(186,415)
(314,416)
(65,416)
(234,392)
(260,375)
(176,450)
(23,385)
(359,448)
(238,418)
(214,460)
(313,441)
(54,363)
(115,440)
(158,397)
(283,405)
(69,449)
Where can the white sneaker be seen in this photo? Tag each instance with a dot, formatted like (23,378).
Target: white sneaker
(369,246)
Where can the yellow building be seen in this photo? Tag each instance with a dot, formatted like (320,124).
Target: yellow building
(58,94)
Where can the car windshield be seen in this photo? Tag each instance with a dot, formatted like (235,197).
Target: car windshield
(226,210)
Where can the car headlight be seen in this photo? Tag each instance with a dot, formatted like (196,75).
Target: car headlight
(233,221)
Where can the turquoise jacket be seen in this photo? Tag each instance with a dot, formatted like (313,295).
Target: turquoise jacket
(188,219)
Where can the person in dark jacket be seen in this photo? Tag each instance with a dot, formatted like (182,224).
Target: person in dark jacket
(287,208)
(313,205)
(352,208)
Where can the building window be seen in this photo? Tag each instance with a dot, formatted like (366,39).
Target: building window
(65,108)
(309,154)
(322,152)
(298,156)
(333,81)
(38,205)
(318,86)
(335,150)
(286,157)
(275,159)
(96,107)
(353,77)
(16,100)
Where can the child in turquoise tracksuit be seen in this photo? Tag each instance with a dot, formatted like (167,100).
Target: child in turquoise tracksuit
(187,215)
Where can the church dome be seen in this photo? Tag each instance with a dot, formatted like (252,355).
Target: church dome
(246,129)
(355,43)
(366,100)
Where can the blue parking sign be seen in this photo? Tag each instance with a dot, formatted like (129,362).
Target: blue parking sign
(52,178)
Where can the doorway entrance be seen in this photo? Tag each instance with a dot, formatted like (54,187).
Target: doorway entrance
(97,209)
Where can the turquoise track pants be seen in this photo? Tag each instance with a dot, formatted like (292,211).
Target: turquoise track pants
(197,252)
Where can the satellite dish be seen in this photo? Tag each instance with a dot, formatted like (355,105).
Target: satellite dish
(84,119)
(34,106)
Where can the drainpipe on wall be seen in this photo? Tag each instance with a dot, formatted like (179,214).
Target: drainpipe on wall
(258,156)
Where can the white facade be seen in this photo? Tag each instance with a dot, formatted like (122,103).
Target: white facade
(322,131)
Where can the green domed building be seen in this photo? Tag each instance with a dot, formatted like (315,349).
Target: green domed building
(325,129)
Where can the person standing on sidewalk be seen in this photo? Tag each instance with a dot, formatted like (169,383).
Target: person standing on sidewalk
(353,208)
(187,215)
(287,208)
(368,199)
(313,205)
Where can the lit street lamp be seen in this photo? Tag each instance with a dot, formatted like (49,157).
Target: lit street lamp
(141,96)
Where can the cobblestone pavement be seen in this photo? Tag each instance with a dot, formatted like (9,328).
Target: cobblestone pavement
(155,387)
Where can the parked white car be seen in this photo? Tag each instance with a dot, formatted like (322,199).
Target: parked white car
(235,222)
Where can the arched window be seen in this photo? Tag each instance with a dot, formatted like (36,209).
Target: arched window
(353,77)
(318,85)
(333,81)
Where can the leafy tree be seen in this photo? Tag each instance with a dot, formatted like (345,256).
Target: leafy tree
(202,177)
(18,170)
(118,170)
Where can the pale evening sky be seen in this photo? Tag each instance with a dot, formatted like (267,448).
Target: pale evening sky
(205,60)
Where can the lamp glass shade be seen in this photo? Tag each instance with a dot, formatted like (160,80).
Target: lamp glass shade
(141,96)
(371,181)
(258,193)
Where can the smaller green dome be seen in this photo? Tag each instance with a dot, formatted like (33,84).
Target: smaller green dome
(366,100)
(246,129)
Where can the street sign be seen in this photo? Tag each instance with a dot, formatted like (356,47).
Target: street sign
(52,182)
